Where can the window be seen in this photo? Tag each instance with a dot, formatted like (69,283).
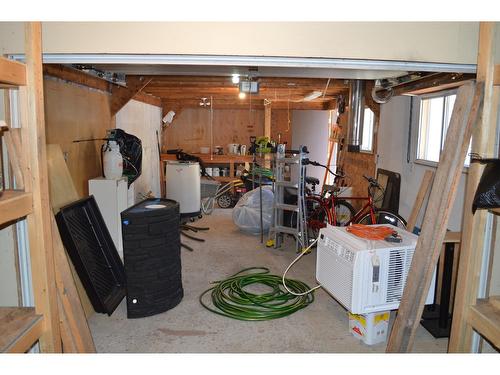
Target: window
(367,136)
(434,119)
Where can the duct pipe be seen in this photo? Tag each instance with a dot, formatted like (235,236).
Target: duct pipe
(356,115)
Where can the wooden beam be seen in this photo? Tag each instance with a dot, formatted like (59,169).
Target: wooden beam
(484,317)
(73,313)
(464,118)
(40,233)
(147,98)
(16,156)
(76,76)
(12,73)
(432,83)
(20,328)
(474,226)
(121,95)
(496,75)
(419,200)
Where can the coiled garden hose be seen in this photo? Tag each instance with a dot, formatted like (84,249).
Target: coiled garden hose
(230,298)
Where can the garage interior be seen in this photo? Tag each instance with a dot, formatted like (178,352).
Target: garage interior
(233,116)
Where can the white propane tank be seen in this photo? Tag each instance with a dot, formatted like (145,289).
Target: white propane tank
(183,186)
(112,161)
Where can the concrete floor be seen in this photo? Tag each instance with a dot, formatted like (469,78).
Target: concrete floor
(188,328)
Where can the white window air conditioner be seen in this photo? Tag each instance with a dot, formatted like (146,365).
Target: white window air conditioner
(365,276)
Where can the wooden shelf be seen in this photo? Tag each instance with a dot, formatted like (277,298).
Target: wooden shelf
(20,328)
(484,317)
(215,159)
(12,73)
(15,205)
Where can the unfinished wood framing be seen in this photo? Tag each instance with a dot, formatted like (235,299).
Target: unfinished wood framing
(474,226)
(121,95)
(464,118)
(77,334)
(40,233)
(419,200)
(20,327)
(12,73)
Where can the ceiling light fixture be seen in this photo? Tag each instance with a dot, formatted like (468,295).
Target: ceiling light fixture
(242,95)
(204,102)
(313,95)
(235,78)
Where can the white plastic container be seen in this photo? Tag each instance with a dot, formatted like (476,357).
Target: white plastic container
(112,161)
(183,186)
(370,328)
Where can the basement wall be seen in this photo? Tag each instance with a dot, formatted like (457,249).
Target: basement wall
(310,128)
(74,112)
(190,129)
(450,42)
(392,155)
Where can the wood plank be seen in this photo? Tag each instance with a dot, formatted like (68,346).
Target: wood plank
(40,233)
(16,156)
(148,99)
(12,72)
(464,118)
(432,83)
(474,226)
(76,76)
(73,313)
(484,317)
(419,200)
(61,187)
(62,192)
(15,204)
(20,328)
(68,342)
(496,75)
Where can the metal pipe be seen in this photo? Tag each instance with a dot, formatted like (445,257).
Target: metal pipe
(356,115)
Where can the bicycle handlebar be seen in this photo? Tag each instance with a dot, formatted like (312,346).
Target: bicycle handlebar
(372,181)
(316,164)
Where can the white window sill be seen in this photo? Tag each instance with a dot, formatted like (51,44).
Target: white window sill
(433,164)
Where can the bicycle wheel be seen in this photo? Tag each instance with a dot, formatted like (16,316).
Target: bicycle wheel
(344,213)
(317,217)
(383,217)
(377,194)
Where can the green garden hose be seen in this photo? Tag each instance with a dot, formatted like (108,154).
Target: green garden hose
(230,298)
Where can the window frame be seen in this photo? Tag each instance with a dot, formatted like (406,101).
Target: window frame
(415,124)
(374,125)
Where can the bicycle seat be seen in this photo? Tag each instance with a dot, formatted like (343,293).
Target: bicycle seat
(312,180)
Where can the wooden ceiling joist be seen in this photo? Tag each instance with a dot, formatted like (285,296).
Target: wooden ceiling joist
(432,83)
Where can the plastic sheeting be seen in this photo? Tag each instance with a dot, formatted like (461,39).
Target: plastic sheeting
(246,213)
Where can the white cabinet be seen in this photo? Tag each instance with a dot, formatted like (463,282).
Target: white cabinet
(111,197)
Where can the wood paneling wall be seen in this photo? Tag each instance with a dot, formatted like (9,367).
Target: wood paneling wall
(75,112)
(190,130)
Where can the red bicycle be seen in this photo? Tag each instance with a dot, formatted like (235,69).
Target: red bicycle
(328,207)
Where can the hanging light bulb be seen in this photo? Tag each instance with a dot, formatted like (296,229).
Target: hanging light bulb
(235,78)
(242,95)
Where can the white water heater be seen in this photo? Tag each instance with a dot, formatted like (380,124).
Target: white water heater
(365,276)
(183,186)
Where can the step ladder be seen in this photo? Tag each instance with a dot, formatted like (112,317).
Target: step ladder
(279,228)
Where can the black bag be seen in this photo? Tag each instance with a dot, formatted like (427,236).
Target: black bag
(488,190)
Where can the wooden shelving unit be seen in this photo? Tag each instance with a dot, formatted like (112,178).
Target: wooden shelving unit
(22,327)
(15,205)
(484,318)
(230,160)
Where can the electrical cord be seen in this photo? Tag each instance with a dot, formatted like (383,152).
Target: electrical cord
(230,298)
(283,278)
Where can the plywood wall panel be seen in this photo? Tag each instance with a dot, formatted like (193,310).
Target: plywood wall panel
(191,129)
(71,113)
